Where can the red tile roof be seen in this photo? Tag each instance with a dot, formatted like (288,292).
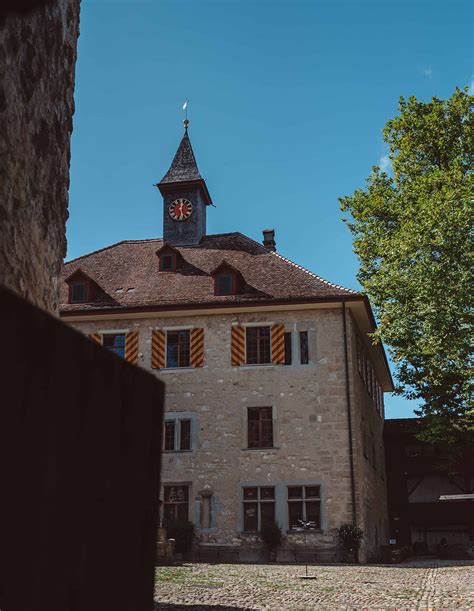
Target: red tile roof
(129,277)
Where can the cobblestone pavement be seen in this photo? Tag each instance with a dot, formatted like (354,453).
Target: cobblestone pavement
(411,585)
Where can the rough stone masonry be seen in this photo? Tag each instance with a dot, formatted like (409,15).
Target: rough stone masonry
(37,64)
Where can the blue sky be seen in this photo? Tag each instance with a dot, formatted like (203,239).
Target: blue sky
(287,102)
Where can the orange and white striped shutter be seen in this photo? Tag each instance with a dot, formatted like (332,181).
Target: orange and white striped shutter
(131,347)
(278,344)
(196,357)
(237,345)
(96,337)
(158,349)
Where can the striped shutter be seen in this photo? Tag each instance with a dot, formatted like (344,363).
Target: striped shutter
(238,345)
(96,337)
(196,357)
(278,344)
(131,347)
(158,349)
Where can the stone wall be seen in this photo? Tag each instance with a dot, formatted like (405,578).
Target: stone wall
(310,425)
(369,458)
(37,61)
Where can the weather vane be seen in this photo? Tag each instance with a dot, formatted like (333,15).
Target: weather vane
(185,108)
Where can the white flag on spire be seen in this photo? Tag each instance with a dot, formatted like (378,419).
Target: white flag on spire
(185,105)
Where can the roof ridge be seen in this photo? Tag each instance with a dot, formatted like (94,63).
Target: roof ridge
(94,252)
(312,274)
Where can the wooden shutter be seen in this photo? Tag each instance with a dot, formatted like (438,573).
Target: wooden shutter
(158,349)
(196,357)
(131,347)
(278,344)
(96,337)
(238,345)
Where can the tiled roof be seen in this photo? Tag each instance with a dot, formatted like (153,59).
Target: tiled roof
(184,167)
(128,275)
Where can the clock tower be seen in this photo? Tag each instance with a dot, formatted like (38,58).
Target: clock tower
(185,198)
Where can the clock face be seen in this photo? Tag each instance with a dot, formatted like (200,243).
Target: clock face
(180,209)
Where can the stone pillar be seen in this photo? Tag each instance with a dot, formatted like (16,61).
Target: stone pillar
(206,517)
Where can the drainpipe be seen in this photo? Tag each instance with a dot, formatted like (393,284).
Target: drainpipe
(349,413)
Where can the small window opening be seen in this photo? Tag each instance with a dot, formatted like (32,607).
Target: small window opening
(78,292)
(288,352)
(224,284)
(115,342)
(167,263)
(304,356)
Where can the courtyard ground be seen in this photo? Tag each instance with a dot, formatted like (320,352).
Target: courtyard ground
(411,585)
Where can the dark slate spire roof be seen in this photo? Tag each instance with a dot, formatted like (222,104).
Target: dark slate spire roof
(184,167)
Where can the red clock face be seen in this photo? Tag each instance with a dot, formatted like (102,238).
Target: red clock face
(180,209)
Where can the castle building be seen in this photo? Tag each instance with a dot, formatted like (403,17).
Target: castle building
(274,403)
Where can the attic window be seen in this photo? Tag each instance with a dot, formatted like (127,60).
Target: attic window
(167,263)
(78,292)
(225,284)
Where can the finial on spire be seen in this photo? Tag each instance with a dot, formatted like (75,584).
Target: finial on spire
(186,122)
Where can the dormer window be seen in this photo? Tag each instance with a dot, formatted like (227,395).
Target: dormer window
(167,263)
(227,279)
(225,284)
(169,258)
(81,287)
(78,292)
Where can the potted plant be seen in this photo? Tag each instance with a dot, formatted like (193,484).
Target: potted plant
(182,531)
(271,536)
(350,536)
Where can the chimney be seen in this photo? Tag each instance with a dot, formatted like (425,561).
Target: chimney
(269,239)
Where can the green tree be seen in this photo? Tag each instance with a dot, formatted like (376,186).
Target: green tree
(413,236)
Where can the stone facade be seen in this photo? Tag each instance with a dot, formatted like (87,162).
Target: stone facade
(310,426)
(37,61)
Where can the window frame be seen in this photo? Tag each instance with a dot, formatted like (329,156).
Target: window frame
(304,499)
(233,283)
(260,427)
(74,283)
(172,256)
(108,334)
(288,348)
(305,334)
(177,432)
(258,501)
(178,331)
(175,505)
(258,328)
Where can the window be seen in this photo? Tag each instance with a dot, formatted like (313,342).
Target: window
(175,506)
(167,263)
(304,357)
(224,284)
(170,427)
(177,349)
(115,342)
(258,507)
(177,435)
(258,345)
(78,292)
(260,427)
(304,503)
(288,351)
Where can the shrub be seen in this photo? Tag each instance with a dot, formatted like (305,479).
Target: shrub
(350,536)
(182,531)
(271,535)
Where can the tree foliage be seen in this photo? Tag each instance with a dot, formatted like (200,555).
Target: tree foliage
(413,235)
